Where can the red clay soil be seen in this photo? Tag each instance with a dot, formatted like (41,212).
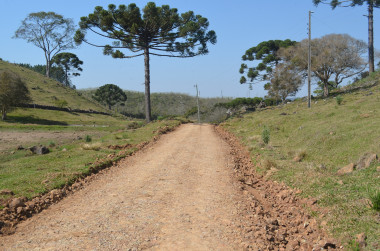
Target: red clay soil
(191,190)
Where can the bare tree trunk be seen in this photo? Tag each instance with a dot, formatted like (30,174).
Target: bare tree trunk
(3,114)
(325,90)
(148,116)
(47,65)
(371,57)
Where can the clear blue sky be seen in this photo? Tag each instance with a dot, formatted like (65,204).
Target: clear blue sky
(238,24)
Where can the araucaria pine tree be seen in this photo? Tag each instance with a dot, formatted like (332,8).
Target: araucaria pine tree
(158,31)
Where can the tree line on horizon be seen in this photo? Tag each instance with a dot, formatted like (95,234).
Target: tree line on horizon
(162,31)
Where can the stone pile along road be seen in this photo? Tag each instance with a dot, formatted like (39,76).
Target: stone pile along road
(181,193)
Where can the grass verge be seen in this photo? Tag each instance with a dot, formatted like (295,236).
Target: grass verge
(29,175)
(308,146)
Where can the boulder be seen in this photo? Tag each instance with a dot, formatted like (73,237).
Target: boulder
(15,203)
(346,169)
(39,149)
(366,160)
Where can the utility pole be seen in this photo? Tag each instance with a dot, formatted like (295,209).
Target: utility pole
(309,66)
(199,118)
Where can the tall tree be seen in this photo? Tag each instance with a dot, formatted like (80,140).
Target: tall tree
(265,51)
(48,31)
(110,95)
(158,31)
(352,3)
(13,91)
(334,58)
(70,63)
(285,81)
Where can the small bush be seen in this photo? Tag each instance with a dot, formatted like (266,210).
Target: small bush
(95,146)
(61,103)
(374,196)
(265,135)
(88,138)
(354,245)
(134,125)
(51,144)
(300,155)
(339,99)
(268,164)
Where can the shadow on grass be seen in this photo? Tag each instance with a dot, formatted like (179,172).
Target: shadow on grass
(32,120)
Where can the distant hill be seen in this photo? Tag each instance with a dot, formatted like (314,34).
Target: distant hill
(46,91)
(163,104)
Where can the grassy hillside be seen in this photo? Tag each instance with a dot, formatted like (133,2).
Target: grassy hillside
(163,104)
(326,137)
(46,91)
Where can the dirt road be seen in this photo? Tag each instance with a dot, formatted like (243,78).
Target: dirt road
(191,190)
(177,195)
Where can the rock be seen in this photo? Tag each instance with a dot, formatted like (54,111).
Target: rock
(20,210)
(15,203)
(297,159)
(346,169)
(6,192)
(39,149)
(329,243)
(79,138)
(64,150)
(20,147)
(378,168)
(361,240)
(366,160)
(340,182)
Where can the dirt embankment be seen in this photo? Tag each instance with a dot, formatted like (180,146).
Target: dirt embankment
(181,193)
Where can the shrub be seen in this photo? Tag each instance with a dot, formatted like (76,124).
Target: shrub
(339,99)
(265,135)
(95,146)
(61,103)
(51,144)
(88,138)
(268,164)
(374,196)
(134,125)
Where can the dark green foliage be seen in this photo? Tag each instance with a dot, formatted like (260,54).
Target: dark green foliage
(70,63)
(351,3)
(56,73)
(339,99)
(159,31)
(331,86)
(110,95)
(88,138)
(61,103)
(239,102)
(12,92)
(49,31)
(191,112)
(374,196)
(265,135)
(266,52)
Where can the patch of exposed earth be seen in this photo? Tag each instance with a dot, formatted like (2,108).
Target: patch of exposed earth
(10,140)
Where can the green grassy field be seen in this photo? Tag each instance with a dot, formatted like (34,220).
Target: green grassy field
(29,175)
(46,91)
(328,136)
